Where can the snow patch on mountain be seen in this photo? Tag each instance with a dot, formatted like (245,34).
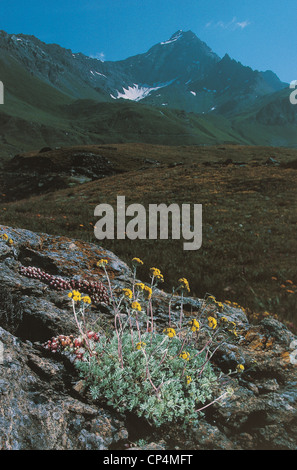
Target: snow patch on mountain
(16,38)
(174,38)
(97,73)
(136,92)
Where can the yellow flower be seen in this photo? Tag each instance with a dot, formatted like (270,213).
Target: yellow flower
(140,285)
(170,332)
(234,332)
(149,291)
(155,271)
(184,284)
(194,324)
(240,368)
(189,379)
(157,274)
(5,236)
(128,293)
(140,345)
(86,299)
(102,262)
(224,319)
(10,241)
(185,355)
(137,261)
(212,322)
(75,295)
(211,297)
(136,306)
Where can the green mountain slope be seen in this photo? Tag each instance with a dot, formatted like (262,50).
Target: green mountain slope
(270,121)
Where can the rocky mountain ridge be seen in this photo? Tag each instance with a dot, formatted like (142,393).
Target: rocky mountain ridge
(179,92)
(182,72)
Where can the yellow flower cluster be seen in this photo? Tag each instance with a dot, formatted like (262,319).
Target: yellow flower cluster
(102,262)
(86,299)
(224,320)
(214,300)
(140,285)
(185,355)
(240,368)
(170,332)
(128,293)
(236,305)
(148,291)
(140,345)
(6,238)
(136,306)
(194,324)
(212,322)
(77,297)
(144,288)
(137,261)
(184,284)
(189,379)
(157,274)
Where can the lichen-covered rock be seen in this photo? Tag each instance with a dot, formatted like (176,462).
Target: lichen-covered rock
(42,401)
(39,410)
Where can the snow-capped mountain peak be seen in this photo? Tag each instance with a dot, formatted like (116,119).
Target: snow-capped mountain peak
(175,37)
(181,72)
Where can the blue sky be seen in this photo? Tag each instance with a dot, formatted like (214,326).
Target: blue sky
(258,33)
